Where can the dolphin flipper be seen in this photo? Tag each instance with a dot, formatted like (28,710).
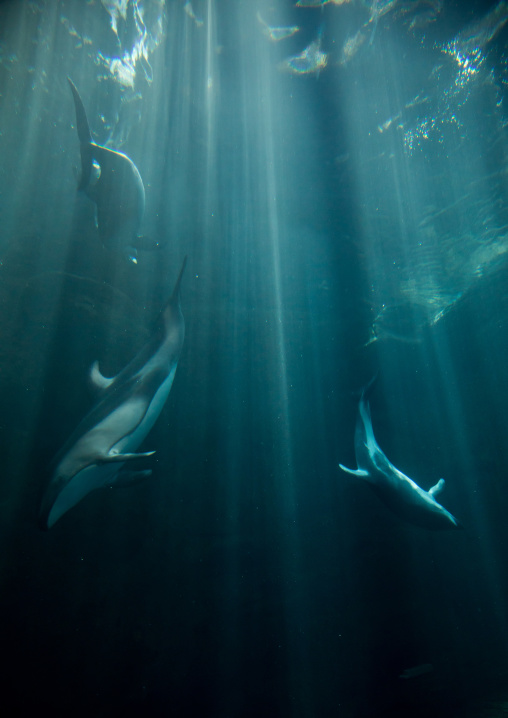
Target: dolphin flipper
(355,472)
(434,490)
(114,458)
(99,380)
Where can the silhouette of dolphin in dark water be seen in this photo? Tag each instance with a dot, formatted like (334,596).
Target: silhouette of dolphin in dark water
(400,493)
(118,191)
(106,440)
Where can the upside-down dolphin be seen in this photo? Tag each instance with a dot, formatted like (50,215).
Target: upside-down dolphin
(107,438)
(402,495)
(117,191)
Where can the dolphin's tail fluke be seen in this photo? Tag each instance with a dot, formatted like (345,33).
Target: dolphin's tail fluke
(85,137)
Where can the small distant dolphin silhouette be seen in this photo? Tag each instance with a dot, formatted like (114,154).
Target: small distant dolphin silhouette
(108,436)
(395,489)
(118,192)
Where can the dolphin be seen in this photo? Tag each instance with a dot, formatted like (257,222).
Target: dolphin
(107,438)
(402,495)
(112,181)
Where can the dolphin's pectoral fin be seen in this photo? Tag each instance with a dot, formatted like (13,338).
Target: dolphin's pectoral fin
(112,458)
(129,478)
(99,380)
(355,472)
(434,490)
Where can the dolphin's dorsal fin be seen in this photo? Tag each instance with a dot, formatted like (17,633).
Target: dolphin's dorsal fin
(99,380)
(84,134)
(85,138)
(434,490)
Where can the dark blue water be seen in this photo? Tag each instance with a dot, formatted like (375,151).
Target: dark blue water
(344,219)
